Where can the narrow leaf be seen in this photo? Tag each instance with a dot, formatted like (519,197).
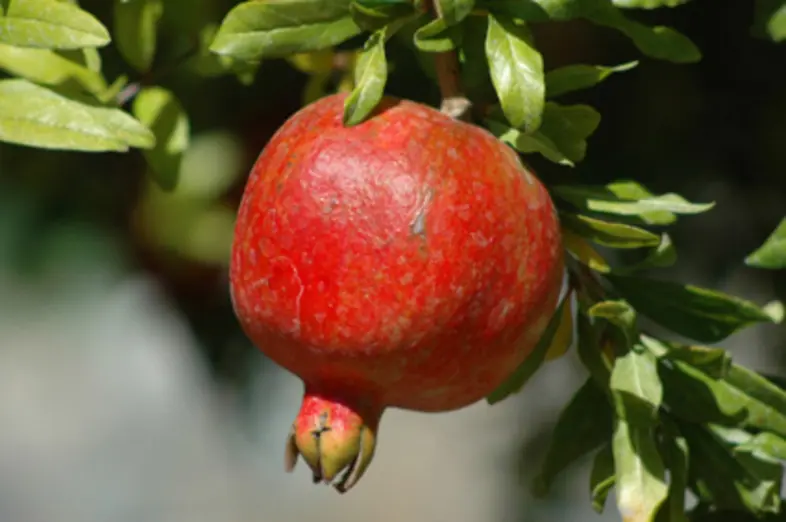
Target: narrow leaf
(614,235)
(576,77)
(35,116)
(636,387)
(533,362)
(162,113)
(51,24)
(136,30)
(771,254)
(516,71)
(664,254)
(274,28)
(602,477)
(705,315)
(437,37)
(584,424)
(583,251)
(454,11)
(371,74)
(648,4)
(563,337)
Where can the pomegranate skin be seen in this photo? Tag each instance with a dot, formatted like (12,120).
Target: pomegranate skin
(411,258)
(410,261)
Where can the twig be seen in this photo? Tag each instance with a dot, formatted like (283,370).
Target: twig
(454,102)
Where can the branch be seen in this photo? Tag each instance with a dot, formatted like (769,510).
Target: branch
(454,102)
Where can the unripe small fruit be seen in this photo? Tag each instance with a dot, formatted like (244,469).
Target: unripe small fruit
(410,261)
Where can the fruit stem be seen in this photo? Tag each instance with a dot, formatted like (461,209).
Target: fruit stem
(454,102)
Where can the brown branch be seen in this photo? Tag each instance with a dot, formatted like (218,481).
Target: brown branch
(454,102)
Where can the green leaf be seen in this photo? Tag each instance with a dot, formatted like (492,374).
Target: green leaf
(210,64)
(640,473)
(38,117)
(531,364)
(455,11)
(50,24)
(664,254)
(765,443)
(584,424)
(618,313)
(576,77)
(58,68)
(161,112)
(628,198)
(371,74)
(705,315)
(602,477)
(136,30)
(561,137)
(732,481)
(606,233)
(437,37)
(769,20)
(527,10)
(636,387)
(674,449)
(766,402)
(648,4)
(516,71)
(663,43)
(771,254)
(373,19)
(715,362)
(274,28)
(589,348)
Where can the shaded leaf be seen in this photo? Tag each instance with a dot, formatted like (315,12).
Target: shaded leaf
(563,337)
(772,253)
(584,424)
(371,74)
(606,233)
(590,350)
(50,24)
(576,77)
(769,19)
(375,18)
(136,30)
(533,362)
(618,313)
(561,137)
(583,251)
(207,63)
(732,481)
(637,388)
(674,449)
(436,37)
(705,315)
(274,28)
(766,402)
(663,43)
(38,117)
(602,477)
(664,254)
(163,114)
(62,69)
(715,362)
(454,11)
(628,198)
(516,71)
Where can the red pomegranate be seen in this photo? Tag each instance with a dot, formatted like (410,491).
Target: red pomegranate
(410,261)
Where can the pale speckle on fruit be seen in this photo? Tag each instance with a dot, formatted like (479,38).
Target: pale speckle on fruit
(406,279)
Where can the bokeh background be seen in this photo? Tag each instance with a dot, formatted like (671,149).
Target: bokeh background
(128,393)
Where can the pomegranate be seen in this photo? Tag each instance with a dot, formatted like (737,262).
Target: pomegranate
(410,261)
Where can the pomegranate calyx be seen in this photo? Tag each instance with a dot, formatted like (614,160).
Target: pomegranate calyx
(335,440)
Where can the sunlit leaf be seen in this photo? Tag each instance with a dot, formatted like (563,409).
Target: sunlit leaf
(57,68)
(51,24)
(254,30)
(637,387)
(436,37)
(454,11)
(583,251)
(516,71)
(772,253)
(766,443)
(584,424)
(606,233)
(371,74)
(769,19)
(162,113)
(662,255)
(136,30)
(702,314)
(377,17)
(575,77)
(648,4)
(36,116)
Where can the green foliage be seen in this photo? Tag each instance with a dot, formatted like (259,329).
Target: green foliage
(662,416)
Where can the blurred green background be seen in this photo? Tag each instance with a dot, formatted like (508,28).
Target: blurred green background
(128,392)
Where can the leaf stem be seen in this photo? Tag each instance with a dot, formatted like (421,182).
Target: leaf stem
(454,102)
